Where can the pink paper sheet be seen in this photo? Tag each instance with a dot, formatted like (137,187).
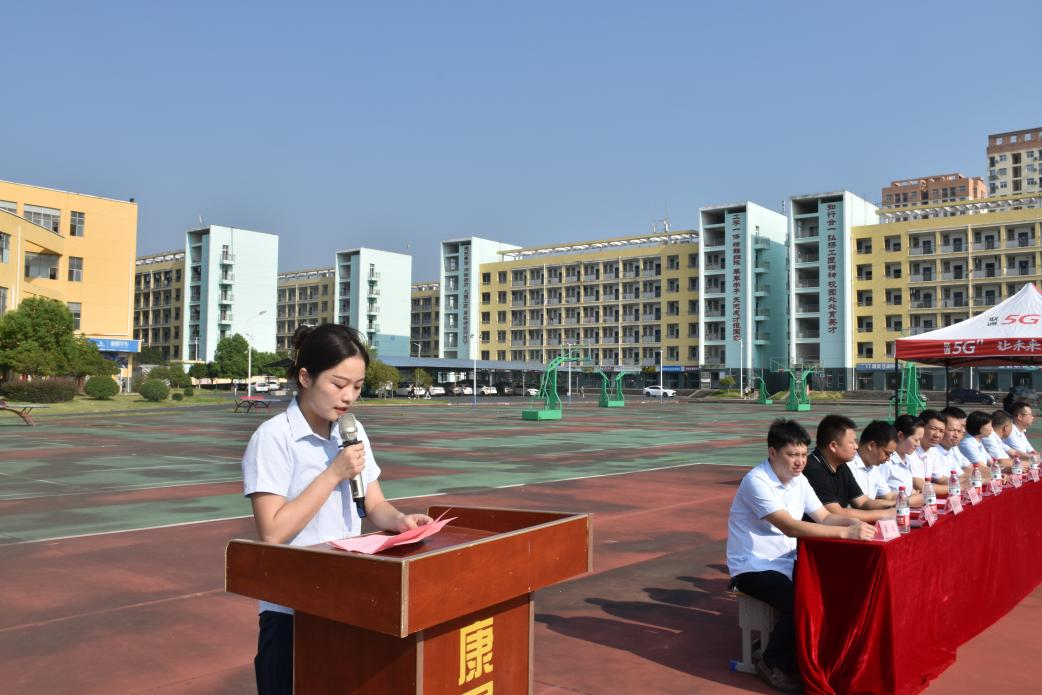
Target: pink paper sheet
(376,542)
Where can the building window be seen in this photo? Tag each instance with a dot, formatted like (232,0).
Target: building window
(48,218)
(3,301)
(76,223)
(75,308)
(75,269)
(5,248)
(9,206)
(41,265)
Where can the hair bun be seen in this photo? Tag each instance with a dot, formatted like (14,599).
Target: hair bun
(301,334)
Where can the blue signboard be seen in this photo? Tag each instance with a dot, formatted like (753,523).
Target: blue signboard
(672,368)
(115,345)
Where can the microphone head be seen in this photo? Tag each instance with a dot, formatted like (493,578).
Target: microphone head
(348,428)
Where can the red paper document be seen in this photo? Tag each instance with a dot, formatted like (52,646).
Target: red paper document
(376,542)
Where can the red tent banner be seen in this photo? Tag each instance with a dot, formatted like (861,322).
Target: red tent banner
(1008,333)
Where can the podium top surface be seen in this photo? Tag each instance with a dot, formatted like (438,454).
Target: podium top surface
(484,557)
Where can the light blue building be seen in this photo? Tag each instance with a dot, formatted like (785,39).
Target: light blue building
(820,282)
(373,296)
(230,288)
(460,293)
(742,297)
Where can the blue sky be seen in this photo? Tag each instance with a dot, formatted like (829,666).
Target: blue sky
(395,125)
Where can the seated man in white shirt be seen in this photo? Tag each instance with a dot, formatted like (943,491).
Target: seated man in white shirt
(948,449)
(905,467)
(1017,440)
(928,452)
(762,529)
(978,426)
(877,444)
(1001,426)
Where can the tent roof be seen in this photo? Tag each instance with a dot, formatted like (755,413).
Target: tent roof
(1008,333)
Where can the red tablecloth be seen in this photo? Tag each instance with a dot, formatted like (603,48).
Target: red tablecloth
(875,617)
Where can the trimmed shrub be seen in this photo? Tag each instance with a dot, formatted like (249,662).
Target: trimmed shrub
(154,390)
(101,388)
(177,396)
(40,390)
(189,392)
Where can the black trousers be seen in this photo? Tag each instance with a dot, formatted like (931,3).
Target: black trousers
(777,590)
(273,664)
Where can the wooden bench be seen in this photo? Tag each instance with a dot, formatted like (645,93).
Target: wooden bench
(253,402)
(22,410)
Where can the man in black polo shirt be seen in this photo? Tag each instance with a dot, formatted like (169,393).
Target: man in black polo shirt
(832,479)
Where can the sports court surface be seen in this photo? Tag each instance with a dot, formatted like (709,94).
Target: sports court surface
(113,527)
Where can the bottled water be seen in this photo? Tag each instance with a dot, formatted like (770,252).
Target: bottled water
(996,471)
(903,518)
(1034,462)
(1018,467)
(929,493)
(953,485)
(975,479)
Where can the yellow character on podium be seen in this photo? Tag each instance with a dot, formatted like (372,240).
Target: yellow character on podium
(475,653)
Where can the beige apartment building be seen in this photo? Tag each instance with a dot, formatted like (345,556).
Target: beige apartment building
(630,302)
(426,319)
(1015,162)
(933,190)
(158,302)
(914,276)
(304,297)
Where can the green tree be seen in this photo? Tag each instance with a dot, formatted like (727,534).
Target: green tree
(421,378)
(33,337)
(201,371)
(83,359)
(262,359)
(379,374)
(150,355)
(229,360)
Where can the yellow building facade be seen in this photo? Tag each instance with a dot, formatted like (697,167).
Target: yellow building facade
(158,302)
(304,297)
(630,302)
(75,248)
(913,276)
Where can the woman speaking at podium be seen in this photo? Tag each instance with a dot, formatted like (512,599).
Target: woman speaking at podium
(310,481)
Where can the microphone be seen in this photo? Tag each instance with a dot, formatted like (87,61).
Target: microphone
(349,435)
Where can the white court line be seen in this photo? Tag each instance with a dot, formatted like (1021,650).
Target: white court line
(208,460)
(500,487)
(35,480)
(392,499)
(122,488)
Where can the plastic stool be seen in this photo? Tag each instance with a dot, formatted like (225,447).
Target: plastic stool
(753,614)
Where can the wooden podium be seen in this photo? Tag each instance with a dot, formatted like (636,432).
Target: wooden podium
(449,615)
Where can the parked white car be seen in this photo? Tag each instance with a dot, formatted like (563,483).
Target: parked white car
(260,387)
(659,392)
(531,391)
(436,390)
(466,391)
(487,391)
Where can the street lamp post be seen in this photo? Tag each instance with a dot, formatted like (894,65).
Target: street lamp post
(660,394)
(249,354)
(474,354)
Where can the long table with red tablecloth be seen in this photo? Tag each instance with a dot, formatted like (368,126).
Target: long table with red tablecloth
(887,617)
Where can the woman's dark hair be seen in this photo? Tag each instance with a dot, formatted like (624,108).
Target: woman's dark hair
(975,421)
(318,348)
(785,432)
(907,424)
